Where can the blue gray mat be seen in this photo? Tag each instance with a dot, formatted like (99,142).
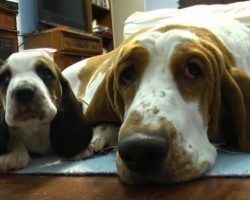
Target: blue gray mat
(227,164)
(99,164)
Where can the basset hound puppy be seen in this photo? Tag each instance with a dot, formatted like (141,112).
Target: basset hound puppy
(39,113)
(167,95)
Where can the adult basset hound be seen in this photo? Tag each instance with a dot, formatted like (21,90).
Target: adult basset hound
(39,112)
(167,94)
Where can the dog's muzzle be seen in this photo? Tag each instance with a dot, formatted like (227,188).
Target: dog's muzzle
(27,103)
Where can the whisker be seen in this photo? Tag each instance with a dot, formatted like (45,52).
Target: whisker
(109,149)
(83,101)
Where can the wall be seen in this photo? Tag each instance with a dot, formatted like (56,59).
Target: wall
(26,19)
(121,9)
(157,4)
(27,14)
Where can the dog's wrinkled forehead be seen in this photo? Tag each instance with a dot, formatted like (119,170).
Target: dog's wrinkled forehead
(162,41)
(26,61)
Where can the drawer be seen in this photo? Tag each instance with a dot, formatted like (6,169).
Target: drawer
(8,20)
(65,41)
(81,43)
(64,60)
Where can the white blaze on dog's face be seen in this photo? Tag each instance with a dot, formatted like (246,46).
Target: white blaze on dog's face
(167,82)
(30,88)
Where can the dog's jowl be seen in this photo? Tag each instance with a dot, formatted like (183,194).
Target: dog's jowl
(39,112)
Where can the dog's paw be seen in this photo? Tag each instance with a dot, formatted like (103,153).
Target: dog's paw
(104,136)
(14,161)
(85,154)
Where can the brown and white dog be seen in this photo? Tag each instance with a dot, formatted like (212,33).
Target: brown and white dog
(39,112)
(167,94)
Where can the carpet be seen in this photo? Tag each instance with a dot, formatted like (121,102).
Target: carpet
(227,164)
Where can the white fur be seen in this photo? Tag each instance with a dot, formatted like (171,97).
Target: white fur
(92,86)
(104,135)
(72,72)
(17,158)
(35,138)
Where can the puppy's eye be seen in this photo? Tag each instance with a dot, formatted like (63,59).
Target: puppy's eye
(5,78)
(128,75)
(193,69)
(44,73)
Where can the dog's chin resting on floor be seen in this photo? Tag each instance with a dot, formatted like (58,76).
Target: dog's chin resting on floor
(38,112)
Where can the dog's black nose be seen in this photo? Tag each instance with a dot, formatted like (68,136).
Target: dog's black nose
(24,94)
(142,153)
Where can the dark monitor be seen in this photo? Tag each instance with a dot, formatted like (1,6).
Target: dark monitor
(71,13)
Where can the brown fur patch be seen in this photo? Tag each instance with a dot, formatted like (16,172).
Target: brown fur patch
(135,124)
(4,69)
(134,56)
(155,110)
(55,85)
(93,66)
(236,84)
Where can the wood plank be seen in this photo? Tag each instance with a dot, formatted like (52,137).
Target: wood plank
(110,188)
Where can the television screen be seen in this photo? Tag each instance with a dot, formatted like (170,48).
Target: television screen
(70,13)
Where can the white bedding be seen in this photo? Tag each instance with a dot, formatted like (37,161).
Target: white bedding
(138,20)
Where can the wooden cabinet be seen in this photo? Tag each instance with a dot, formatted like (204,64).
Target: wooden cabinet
(72,46)
(101,12)
(8,30)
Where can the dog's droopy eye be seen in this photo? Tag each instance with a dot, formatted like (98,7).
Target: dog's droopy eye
(127,76)
(193,69)
(44,73)
(5,78)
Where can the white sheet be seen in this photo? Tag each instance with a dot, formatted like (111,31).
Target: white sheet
(138,20)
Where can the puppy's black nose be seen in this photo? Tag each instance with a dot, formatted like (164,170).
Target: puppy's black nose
(24,94)
(142,153)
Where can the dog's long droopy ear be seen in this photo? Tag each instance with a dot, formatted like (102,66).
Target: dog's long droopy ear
(70,132)
(101,107)
(235,117)
(106,105)
(4,133)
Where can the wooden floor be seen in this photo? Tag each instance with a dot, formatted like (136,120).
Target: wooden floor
(110,188)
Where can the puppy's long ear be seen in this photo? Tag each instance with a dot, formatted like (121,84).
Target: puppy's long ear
(235,116)
(70,132)
(4,133)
